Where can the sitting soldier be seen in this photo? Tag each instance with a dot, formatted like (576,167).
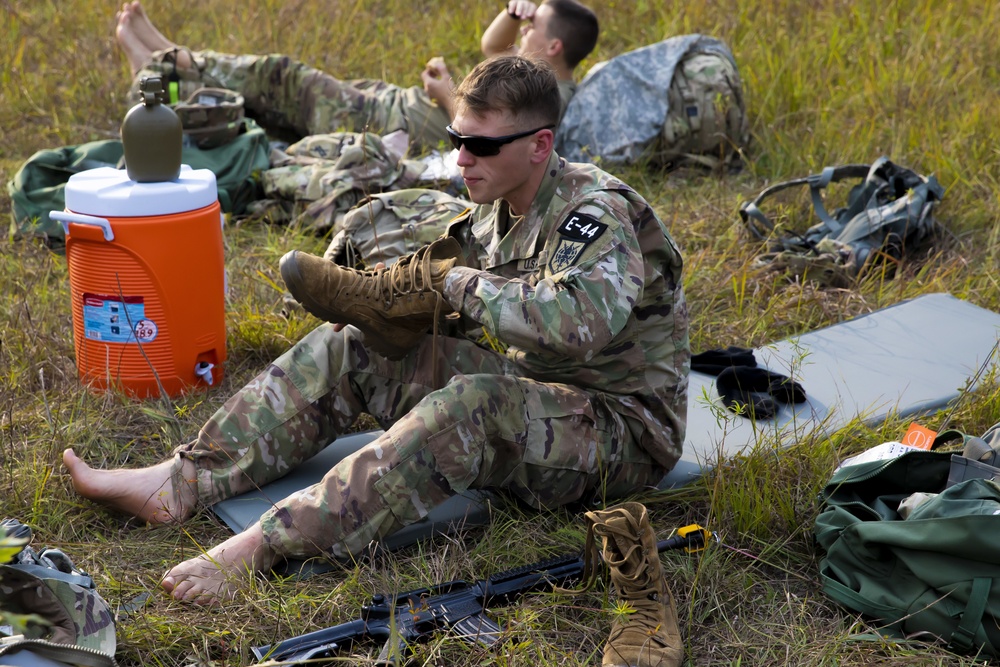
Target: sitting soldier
(565,268)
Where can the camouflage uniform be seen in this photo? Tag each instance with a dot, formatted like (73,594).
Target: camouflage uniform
(286,96)
(330,173)
(586,401)
(384,227)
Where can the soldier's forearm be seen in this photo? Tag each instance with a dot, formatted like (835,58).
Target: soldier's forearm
(500,38)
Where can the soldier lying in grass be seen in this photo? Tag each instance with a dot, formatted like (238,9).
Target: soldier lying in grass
(286,96)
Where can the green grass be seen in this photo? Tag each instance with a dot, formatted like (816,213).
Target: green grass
(827,82)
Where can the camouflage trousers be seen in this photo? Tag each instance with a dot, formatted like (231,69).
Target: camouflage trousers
(290,99)
(469,423)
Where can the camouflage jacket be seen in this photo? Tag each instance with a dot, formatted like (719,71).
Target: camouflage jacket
(585,289)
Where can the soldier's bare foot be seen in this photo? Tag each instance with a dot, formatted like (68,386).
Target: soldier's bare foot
(164,493)
(136,51)
(153,39)
(150,36)
(217,574)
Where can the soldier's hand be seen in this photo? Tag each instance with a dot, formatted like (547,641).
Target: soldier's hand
(522,10)
(436,69)
(437,81)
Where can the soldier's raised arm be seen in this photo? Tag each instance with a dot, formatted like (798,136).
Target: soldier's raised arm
(500,38)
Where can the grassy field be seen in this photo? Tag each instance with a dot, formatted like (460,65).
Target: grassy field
(828,82)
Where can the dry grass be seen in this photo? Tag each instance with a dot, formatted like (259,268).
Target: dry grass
(828,81)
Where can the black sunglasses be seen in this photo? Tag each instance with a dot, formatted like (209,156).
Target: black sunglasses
(487,146)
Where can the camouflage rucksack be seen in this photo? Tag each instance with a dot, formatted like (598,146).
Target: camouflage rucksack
(49,609)
(384,227)
(673,102)
(888,212)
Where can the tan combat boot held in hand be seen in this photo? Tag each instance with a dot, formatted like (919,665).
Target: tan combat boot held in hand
(394,307)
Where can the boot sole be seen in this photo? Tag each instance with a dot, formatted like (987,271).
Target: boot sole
(289,268)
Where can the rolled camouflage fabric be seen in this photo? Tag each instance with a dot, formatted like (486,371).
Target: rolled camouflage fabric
(333,172)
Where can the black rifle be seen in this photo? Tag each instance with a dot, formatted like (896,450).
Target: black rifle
(406,618)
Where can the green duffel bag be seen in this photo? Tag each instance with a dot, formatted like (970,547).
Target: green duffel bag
(931,576)
(39,185)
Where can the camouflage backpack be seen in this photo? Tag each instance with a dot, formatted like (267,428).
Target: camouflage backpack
(887,213)
(50,611)
(674,102)
(384,227)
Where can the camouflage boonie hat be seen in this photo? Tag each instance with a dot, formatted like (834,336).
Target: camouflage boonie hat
(211,116)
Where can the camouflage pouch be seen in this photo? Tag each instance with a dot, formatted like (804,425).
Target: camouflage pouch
(706,122)
(181,83)
(889,212)
(211,117)
(51,609)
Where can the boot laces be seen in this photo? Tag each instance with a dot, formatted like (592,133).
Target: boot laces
(637,587)
(410,274)
(622,524)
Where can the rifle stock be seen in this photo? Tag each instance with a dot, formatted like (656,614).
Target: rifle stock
(457,606)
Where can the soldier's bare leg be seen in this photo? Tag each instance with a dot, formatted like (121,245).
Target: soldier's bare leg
(544,443)
(150,494)
(163,493)
(214,576)
(136,51)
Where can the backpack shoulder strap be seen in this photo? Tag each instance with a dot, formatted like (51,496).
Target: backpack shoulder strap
(761,226)
(44,572)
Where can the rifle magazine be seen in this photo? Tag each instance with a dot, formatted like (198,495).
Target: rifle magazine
(480,629)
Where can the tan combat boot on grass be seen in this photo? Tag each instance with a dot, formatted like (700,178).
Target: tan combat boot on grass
(650,636)
(394,307)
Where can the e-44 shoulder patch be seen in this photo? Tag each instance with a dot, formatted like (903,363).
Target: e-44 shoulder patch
(581,227)
(576,231)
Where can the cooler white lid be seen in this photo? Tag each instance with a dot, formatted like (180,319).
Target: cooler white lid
(109,192)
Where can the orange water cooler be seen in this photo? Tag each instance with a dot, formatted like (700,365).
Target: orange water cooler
(147,281)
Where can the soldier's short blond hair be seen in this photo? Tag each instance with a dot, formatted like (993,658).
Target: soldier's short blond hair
(523,87)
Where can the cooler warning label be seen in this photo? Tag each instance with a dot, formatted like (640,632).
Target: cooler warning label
(116,319)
